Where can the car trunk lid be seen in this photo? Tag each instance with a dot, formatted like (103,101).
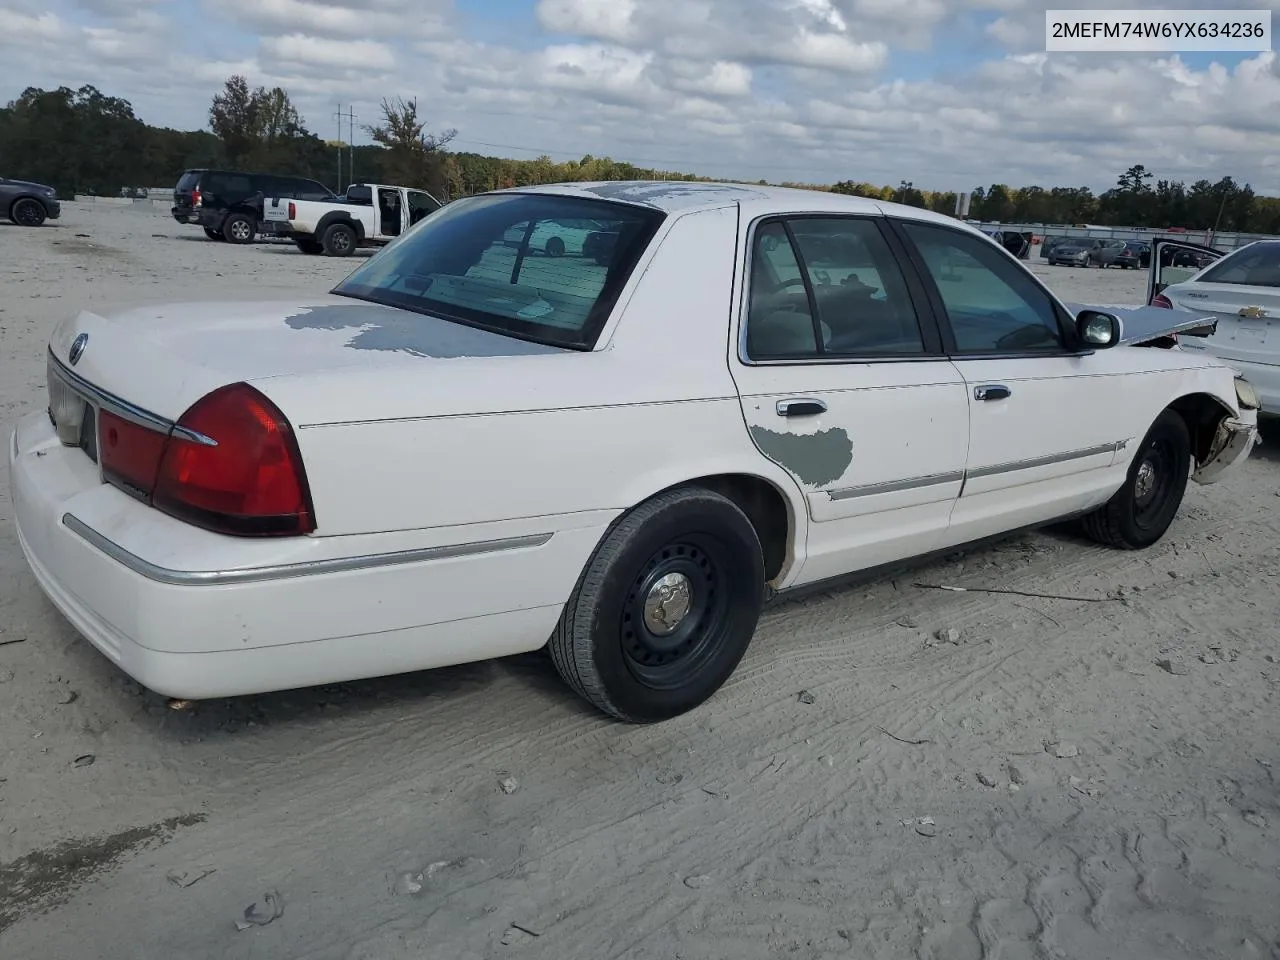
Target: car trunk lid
(1248,319)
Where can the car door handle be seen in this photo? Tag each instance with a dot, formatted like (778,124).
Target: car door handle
(805,407)
(992,391)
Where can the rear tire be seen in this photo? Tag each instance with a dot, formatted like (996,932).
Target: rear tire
(1141,511)
(339,240)
(28,213)
(312,247)
(239,228)
(665,608)
(555,247)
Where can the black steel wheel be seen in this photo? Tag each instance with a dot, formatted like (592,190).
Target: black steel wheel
(28,213)
(555,247)
(1142,510)
(665,609)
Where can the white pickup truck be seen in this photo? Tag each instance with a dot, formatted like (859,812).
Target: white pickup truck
(369,214)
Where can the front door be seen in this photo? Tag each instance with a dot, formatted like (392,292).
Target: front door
(391,213)
(844,384)
(1047,421)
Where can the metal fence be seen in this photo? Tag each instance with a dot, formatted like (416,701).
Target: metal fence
(1223,240)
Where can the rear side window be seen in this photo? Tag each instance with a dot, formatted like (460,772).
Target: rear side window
(230,185)
(827,286)
(360,194)
(1252,267)
(507,263)
(188,180)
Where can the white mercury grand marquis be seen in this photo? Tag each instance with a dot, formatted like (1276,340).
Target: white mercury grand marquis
(470,448)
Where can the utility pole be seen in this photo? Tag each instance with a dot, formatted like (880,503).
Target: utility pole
(350,117)
(338,145)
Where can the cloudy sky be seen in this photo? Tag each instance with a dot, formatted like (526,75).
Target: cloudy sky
(946,93)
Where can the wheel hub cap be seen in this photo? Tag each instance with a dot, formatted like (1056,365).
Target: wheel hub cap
(667,604)
(1146,480)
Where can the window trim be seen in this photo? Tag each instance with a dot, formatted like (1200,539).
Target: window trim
(1072,346)
(930,330)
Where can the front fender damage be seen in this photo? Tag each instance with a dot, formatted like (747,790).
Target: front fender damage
(1232,443)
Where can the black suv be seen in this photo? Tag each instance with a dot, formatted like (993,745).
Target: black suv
(228,203)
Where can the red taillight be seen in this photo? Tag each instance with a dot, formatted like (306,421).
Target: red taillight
(1160,300)
(195,197)
(293,211)
(250,482)
(130,454)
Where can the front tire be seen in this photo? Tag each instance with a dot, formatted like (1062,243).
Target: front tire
(28,213)
(339,240)
(665,608)
(1141,511)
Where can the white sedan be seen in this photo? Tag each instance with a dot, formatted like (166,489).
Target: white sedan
(1241,290)
(464,452)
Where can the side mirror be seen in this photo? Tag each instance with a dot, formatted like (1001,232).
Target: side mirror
(1097,329)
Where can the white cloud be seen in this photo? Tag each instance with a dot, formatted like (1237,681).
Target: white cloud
(16,26)
(299,49)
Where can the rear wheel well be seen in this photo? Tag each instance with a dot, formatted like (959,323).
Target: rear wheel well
(764,506)
(1202,413)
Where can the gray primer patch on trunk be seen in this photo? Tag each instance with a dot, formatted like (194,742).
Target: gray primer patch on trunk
(815,458)
(388,328)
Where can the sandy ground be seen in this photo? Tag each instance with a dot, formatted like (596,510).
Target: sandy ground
(908,806)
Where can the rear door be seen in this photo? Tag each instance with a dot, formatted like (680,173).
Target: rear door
(844,384)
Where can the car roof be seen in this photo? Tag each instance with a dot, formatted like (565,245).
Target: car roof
(688,196)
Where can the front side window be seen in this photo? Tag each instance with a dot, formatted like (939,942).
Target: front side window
(1257,266)
(841,271)
(479,262)
(993,305)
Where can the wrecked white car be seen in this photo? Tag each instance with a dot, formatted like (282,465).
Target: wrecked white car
(470,449)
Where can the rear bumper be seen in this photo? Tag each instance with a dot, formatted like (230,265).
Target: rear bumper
(192,614)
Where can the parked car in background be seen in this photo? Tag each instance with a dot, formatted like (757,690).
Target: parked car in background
(28,204)
(469,449)
(228,204)
(1127,254)
(368,215)
(1241,290)
(1070,252)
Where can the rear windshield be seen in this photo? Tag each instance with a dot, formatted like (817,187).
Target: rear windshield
(538,267)
(188,180)
(1252,267)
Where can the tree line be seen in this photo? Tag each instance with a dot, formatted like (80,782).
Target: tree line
(84,141)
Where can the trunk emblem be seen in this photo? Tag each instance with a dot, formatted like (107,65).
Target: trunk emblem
(77,348)
(1253,313)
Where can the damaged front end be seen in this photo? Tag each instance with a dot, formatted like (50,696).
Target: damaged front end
(1233,439)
